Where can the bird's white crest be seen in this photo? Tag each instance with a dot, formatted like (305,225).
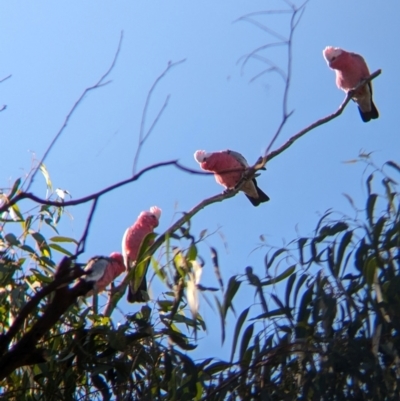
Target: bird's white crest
(201,155)
(331,52)
(156,211)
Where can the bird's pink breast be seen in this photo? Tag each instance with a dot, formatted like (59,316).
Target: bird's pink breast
(113,270)
(134,238)
(220,162)
(350,70)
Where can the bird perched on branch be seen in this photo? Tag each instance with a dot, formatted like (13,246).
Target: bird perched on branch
(104,270)
(131,242)
(350,70)
(228,168)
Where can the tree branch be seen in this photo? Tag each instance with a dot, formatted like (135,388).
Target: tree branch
(80,248)
(97,85)
(28,195)
(321,121)
(4,79)
(120,290)
(28,308)
(142,135)
(285,113)
(1,81)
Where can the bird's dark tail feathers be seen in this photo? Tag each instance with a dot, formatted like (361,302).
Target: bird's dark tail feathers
(140,295)
(262,196)
(369,115)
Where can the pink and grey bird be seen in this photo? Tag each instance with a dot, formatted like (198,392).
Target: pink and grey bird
(350,70)
(131,242)
(104,270)
(228,168)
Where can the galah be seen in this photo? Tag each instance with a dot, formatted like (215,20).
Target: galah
(104,270)
(228,168)
(131,242)
(350,70)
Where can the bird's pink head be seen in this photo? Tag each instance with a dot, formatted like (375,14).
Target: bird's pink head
(201,156)
(156,211)
(151,217)
(117,257)
(331,54)
(119,267)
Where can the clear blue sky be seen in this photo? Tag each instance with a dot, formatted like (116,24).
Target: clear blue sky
(54,50)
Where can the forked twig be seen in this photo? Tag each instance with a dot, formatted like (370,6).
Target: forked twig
(142,135)
(100,83)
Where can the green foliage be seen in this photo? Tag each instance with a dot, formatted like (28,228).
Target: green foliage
(325,325)
(85,355)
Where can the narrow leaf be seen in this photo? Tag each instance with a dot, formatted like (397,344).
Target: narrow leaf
(14,189)
(280,277)
(214,258)
(346,239)
(301,281)
(248,333)
(192,252)
(221,315)
(230,293)
(394,165)
(12,239)
(369,180)
(238,327)
(289,287)
(370,269)
(268,264)
(60,249)
(370,208)
(63,239)
(302,242)
(275,312)
(46,176)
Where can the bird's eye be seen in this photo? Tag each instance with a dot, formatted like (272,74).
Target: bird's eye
(333,58)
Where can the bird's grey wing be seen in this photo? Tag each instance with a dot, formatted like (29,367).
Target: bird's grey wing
(240,158)
(96,267)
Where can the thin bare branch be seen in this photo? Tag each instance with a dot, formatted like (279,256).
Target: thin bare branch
(285,113)
(268,12)
(80,248)
(274,67)
(4,79)
(260,163)
(260,74)
(2,108)
(247,57)
(142,135)
(27,195)
(302,9)
(120,290)
(264,28)
(296,14)
(100,83)
(321,121)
